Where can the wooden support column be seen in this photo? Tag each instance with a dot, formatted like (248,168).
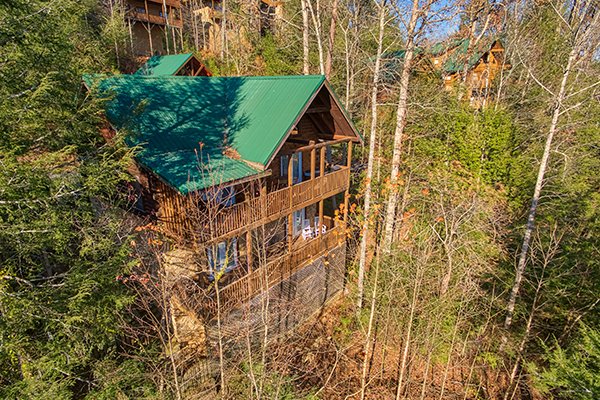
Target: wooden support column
(347,192)
(313,160)
(321,174)
(291,214)
(181,28)
(249,249)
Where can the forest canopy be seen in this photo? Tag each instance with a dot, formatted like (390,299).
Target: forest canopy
(473,266)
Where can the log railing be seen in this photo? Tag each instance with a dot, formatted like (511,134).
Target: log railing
(154,19)
(275,271)
(260,210)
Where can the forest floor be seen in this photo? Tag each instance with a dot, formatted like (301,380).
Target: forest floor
(325,357)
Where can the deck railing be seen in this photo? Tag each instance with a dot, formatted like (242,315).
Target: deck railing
(264,209)
(154,19)
(275,271)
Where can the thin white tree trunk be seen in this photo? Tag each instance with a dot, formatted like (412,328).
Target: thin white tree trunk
(363,379)
(407,339)
(223,29)
(372,139)
(402,111)
(328,61)
(305,37)
(537,191)
(316,18)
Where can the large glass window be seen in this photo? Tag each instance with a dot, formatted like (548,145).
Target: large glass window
(222,256)
(219,196)
(296,167)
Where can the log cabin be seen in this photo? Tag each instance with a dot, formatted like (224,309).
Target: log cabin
(154,26)
(485,62)
(250,178)
(448,59)
(174,64)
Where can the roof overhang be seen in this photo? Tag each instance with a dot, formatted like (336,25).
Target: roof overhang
(357,136)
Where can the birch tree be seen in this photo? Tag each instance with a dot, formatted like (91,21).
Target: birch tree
(371,159)
(580,27)
(419,17)
(305,38)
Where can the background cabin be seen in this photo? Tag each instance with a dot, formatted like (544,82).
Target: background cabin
(174,64)
(155,26)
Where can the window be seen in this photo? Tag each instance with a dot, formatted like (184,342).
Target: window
(296,166)
(219,196)
(298,218)
(223,255)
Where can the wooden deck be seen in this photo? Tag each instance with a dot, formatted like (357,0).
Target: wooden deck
(226,222)
(275,271)
(154,19)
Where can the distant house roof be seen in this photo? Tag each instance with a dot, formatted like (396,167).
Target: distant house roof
(456,60)
(169,65)
(196,132)
(457,49)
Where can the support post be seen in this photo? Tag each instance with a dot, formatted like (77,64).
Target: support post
(313,160)
(321,174)
(249,249)
(181,28)
(347,192)
(291,214)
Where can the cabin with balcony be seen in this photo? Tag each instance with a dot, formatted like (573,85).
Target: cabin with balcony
(250,178)
(174,64)
(155,26)
(485,62)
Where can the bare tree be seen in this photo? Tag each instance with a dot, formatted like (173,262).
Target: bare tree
(332,26)
(371,157)
(419,17)
(305,38)
(581,24)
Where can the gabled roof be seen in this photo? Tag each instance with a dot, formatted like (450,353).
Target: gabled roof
(457,51)
(195,132)
(164,65)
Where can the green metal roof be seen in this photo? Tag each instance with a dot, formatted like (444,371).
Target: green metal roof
(455,62)
(184,125)
(164,65)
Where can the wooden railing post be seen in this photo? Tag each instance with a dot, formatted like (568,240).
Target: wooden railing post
(347,192)
(249,249)
(322,187)
(291,213)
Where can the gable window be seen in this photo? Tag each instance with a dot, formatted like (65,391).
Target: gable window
(223,256)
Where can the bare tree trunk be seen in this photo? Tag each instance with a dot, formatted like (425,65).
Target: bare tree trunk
(537,190)
(223,30)
(305,37)
(316,18)
(371,160)
(407,338)
(220,335)
(363,379)
(400,124)
(334,15)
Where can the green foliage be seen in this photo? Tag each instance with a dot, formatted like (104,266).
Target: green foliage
(574,372)
(481,141)
(61,239)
